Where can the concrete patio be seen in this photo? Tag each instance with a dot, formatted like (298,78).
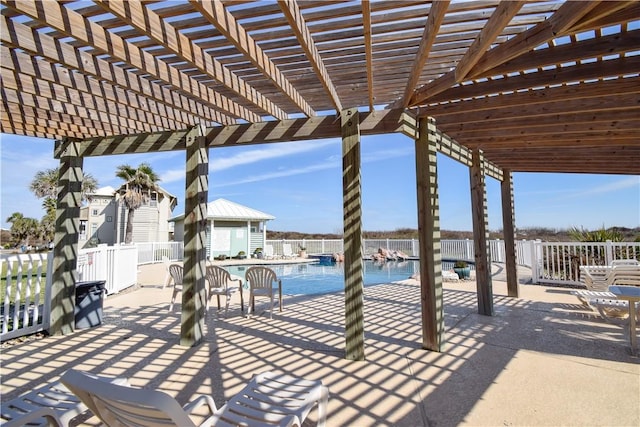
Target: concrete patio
(542,360)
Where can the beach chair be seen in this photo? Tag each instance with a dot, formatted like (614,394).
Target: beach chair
(268,399)
(218,279)
(268,252)
(176,271)
(52,404)
(261,280)
(287,252)
(608,306)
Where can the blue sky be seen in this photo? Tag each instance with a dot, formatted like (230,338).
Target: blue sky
(301,185)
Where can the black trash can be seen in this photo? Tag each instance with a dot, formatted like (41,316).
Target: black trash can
(89,301)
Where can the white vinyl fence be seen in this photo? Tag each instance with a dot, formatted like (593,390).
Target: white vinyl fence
(26,296)
(26,300)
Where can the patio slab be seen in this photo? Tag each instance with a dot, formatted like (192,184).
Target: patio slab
(542,359)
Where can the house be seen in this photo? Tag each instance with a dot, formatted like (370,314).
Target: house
(104,218)
(231,228)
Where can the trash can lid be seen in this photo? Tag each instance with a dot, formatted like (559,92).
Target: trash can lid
(91,284)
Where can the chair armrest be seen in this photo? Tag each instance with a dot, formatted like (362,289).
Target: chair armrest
(201,400)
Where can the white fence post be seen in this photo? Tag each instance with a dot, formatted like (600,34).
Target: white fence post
(609,252)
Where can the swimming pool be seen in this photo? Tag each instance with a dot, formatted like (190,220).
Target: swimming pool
(310,279)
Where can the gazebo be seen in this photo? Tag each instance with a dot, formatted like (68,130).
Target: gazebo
(500,86)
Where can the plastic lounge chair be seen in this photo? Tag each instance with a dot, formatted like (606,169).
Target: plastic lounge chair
(610,308)
(39,417)
(286,251)
(260,280)
(268,252)
(597,279)
(51,404)
(269,399)
(176,271)
(218,279)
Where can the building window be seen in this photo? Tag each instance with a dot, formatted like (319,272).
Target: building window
(94,212)
(94,229)
(154,199)
(105,201)
(109,218)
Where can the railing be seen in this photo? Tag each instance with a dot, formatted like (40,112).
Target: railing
(559,262)
(26,297)
(116,265)
(152,252)
(27,292)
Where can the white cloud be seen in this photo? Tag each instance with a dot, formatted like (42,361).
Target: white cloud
(283,173)
(268,152)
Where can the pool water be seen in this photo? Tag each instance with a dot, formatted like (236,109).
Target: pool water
(310,279)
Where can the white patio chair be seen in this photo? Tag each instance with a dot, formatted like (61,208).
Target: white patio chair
(268,399)
(218,280)
(167,278)
(176,271)
(261,280)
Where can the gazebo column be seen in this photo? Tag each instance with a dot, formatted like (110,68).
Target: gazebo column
(352,207)
(65,251)
(481,234)
(195,223)
(508,226)
(431,298)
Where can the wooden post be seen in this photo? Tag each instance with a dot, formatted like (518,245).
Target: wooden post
(195,234)
(508,225)
(482,254)
(65,251)
(352,207)
(431,297)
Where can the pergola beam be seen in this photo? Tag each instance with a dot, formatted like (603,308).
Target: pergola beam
(299,27)
(172,103)
(74,25)
(368,49)
(136,14)
(504,12)
(236,34)
(558,24)
(436,16)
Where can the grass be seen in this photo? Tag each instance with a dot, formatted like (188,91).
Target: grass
(14,278)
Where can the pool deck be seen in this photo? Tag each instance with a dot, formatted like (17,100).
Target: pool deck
(543,359)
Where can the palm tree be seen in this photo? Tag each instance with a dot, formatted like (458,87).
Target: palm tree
(136,190)
(45,185)
(23,228)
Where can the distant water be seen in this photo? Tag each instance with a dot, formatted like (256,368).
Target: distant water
(310,279)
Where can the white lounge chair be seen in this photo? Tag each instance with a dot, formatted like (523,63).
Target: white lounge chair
(218,279)
(287,252)
(261,280)
(51,404)
(610,308)
(269,399)
(268,252)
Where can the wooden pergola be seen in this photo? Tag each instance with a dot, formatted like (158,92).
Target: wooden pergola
(502,87)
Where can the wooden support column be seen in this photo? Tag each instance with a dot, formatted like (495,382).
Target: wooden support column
(480,218)
(195,234)
(431,297)
(352,207)
(508,226)
(65,251)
